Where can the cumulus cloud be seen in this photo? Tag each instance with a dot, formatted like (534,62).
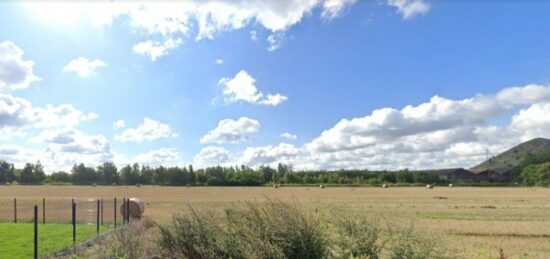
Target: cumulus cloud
(149,130)
(119,124)
(70,140)
(19,112)
(63,148)
(158,157)
(410,8)
(232,131)
(242,87)
(212,156)
(438,133)
(289,136)
(155,49)
(83,66)
(15,73)
(269,155)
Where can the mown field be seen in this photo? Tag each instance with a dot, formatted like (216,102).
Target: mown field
(470,222)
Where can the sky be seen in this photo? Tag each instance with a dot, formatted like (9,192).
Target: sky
(317,84)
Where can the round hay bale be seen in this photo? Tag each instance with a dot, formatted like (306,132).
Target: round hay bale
(322,186)
(8,183)
(384,186)
(275,186)
(429,186)
(137,207)
(138,185)
(450,185)
(278,185)
(188,185)
(94,185)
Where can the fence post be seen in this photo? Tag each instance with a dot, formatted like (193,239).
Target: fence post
(128,211)
(97,219)
(35,231)
(74,224)
(43,211)
(115,213)
(123,211)
(15,210)
(102,212)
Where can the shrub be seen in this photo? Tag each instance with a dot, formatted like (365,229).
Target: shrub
(356,237)
(252,230)
(405,243)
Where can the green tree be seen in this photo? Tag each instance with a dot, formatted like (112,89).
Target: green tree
(538,174)
(7,172)
(108,173)
(26,175)
(83,175)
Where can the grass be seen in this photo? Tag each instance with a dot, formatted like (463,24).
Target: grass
(519,223)
(17,239)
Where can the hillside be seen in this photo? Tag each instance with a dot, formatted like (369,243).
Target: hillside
(514,156)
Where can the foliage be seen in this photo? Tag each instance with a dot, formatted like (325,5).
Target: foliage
(537,174)
(268,230)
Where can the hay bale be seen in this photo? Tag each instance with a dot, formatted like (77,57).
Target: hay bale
(94,184)
(275,186)
(137,207)
(450,185)
(429,186)
(322,186)
(384,186)
(278,185)
(138,185)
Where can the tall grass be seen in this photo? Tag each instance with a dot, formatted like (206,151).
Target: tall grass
(274,229)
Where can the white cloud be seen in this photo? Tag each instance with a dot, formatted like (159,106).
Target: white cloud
(15,73)
(19,112)
(289,136)
(219,61)
(242,87)
(158,157)
(63,148)
(212,156)
(410,8)
(84,67)
(232,131)
(333,8)
(149,130)
(254,36)
(532,122)
(275,41)
(119,124)
(194,18)
(438,133)
(155,49)
(269,155)
(70,140)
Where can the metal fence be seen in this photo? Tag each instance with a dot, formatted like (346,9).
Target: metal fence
(42,227)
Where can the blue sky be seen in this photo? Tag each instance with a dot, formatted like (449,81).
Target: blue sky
(220,82)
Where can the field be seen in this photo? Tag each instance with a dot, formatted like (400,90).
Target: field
(17,239)
(471,222)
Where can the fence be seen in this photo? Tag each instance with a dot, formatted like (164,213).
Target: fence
(42,227)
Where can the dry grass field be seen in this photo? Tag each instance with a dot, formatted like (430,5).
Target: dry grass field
(470,222)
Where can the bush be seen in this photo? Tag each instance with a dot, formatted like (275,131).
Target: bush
(405,243)
(355,237)
(266,230)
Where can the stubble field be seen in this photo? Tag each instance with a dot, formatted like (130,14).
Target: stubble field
(470,222)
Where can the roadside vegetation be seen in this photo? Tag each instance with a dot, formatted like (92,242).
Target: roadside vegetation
(268,229)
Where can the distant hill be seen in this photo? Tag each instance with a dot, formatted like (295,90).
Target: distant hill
(514,156)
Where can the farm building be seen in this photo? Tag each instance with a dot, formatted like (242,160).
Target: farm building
(493,174)
(454,175)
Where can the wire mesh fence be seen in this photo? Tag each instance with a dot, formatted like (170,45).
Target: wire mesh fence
(42,227)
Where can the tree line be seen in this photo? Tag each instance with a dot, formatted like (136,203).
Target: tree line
(108,174)
(534,171)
